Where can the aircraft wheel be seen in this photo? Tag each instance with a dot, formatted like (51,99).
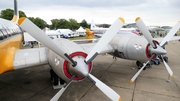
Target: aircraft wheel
(139,64)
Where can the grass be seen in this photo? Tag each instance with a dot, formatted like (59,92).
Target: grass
(77,38)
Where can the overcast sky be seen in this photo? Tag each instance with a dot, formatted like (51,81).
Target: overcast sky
(153,12)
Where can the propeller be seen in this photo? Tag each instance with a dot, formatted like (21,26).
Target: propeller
(32,29)
(157,49)
(39,35)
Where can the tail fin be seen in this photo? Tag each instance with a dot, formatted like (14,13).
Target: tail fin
(93,26)
(16,12)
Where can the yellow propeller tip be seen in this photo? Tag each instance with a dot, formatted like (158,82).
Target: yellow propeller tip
(131,81)
(137,19)
(120,18)
(172,75)
(21,20)
(120,99)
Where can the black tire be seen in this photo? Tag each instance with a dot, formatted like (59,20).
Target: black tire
(138,63)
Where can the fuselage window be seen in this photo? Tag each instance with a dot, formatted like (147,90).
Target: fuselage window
(4,33)
(1,36)
(9,32)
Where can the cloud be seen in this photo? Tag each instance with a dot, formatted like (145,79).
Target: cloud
(84,3)
(153,12)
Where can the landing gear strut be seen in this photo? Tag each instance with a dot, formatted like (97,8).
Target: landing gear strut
(57,81)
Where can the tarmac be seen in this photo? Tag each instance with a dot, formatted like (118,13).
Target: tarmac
(33,84)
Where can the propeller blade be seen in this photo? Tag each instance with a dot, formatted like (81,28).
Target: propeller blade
(61,91)
(58,95)
(105,89)
(105,39)
(38,34)
(145,31)
(137,74)
(167,67)
(170,34)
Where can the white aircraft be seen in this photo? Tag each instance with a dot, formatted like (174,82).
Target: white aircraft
(73,62)
(99,31)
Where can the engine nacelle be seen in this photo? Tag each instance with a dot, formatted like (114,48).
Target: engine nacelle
(62,67)
(133,48)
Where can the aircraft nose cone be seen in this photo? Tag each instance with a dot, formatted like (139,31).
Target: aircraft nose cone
(158,51)
(85,73)
(81,69)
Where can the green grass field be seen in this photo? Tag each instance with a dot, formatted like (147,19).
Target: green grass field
(77,38)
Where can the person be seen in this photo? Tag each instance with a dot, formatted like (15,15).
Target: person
(32,44)
(114,57)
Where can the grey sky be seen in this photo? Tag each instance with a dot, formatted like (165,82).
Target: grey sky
(153,12)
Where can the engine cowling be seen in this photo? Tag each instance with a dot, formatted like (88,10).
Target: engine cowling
(133,48)
(63,68)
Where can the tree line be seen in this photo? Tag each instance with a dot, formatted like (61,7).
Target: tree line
(56,23)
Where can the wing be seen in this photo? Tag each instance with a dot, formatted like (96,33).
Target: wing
(88,47)
(30,57)
(84,41)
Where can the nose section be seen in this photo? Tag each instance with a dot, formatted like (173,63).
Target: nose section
(158,51)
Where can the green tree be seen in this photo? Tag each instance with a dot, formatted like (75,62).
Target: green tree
(60,23)
(31,18)
(73,24)
(63,23)
(22,14)
(54,23)
(38,22)
(104,25)
(8,14)
(84,24)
